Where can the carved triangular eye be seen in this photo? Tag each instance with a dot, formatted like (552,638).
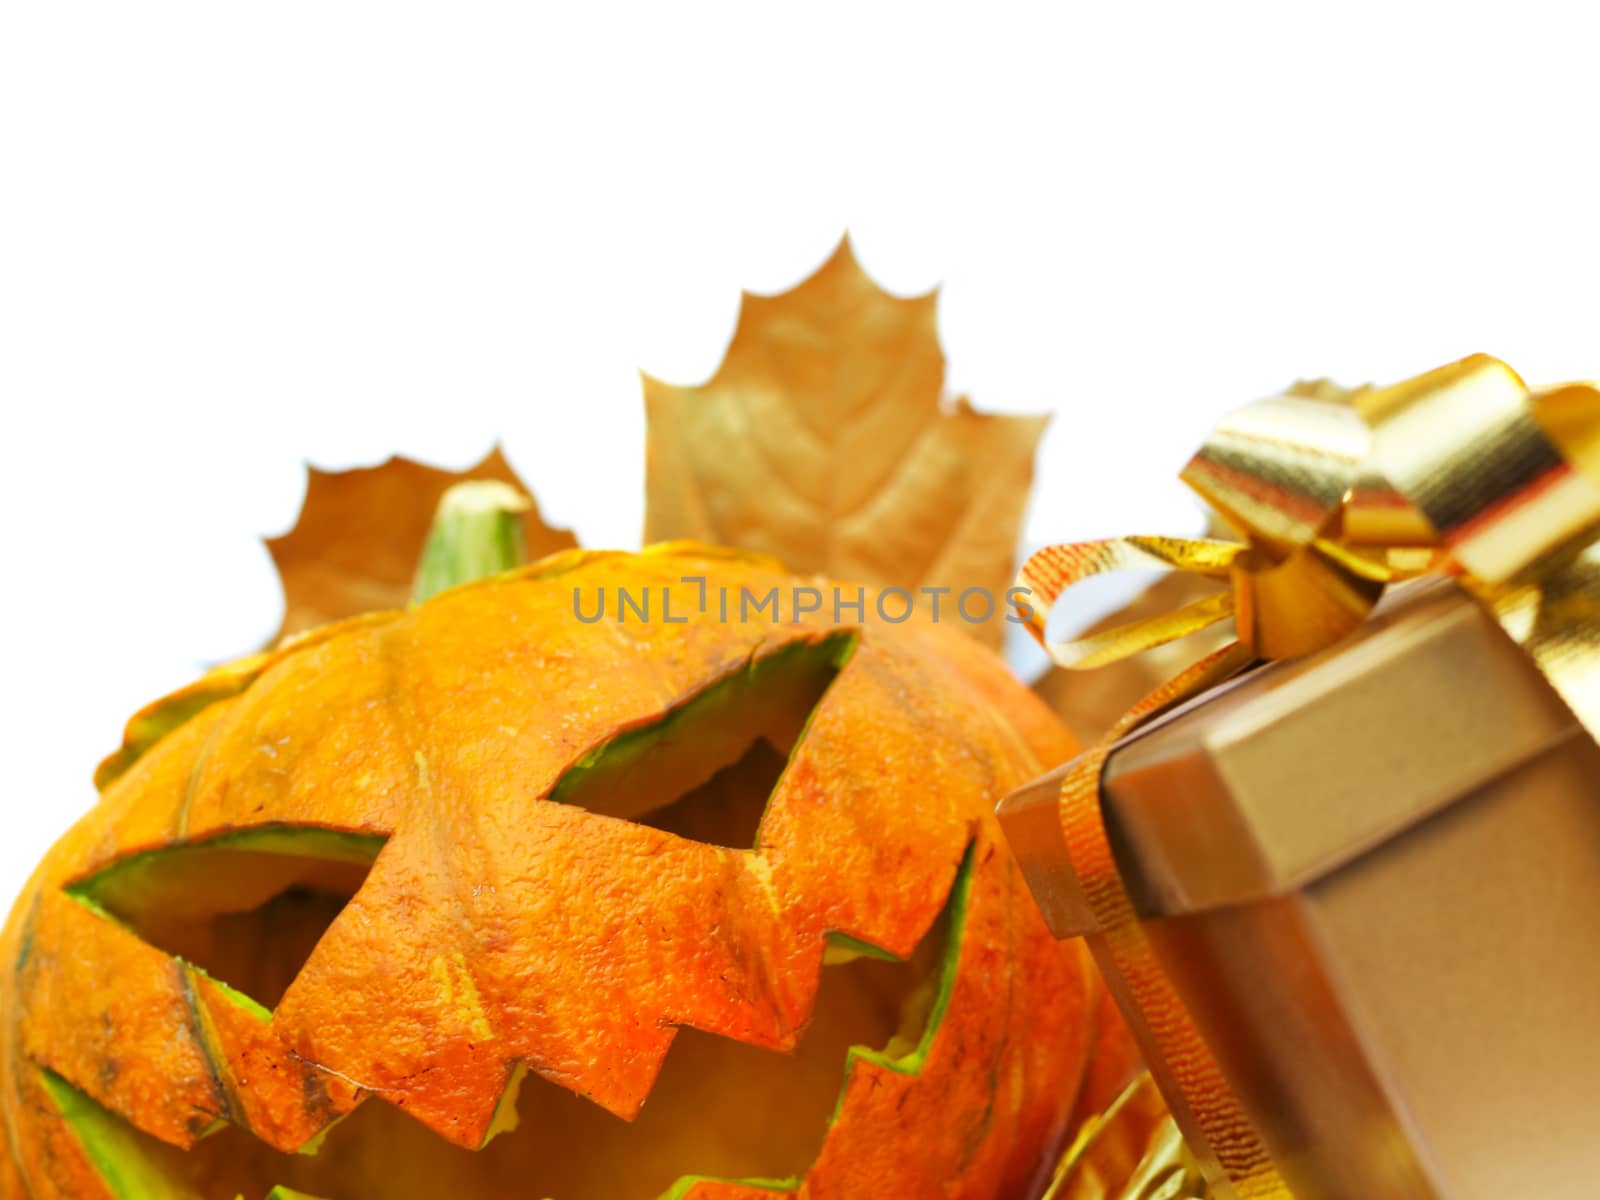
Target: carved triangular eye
(726,809)
(705,768)
(246,907)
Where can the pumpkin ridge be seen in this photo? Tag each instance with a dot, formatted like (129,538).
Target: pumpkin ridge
(205,1037)
(11,1050)
(197,766)
(10,1142)
(991,1094)
(164,715)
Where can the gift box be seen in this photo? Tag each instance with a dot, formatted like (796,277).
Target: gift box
(1342,876)
(1373,875)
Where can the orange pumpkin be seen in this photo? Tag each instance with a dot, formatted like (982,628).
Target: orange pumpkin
(486,900)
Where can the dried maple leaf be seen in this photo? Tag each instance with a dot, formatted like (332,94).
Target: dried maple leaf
(359,537)
(823,440)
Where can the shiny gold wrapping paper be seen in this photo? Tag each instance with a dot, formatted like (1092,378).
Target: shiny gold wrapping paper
(1374,877)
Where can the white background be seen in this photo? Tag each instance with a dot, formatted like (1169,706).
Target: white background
(237,237)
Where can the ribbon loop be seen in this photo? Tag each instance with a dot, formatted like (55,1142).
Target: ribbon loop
(1465,446)
(1280,469)
(1050,572)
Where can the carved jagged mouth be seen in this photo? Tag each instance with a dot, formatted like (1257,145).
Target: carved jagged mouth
(720,1109)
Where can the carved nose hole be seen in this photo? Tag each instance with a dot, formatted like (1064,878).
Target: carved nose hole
(705,768)
(247,907)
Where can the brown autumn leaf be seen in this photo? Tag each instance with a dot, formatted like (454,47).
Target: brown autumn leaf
(824,440)
(359,537)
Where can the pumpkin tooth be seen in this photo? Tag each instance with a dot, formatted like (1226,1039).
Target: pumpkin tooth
(286,1103)
(905,1053)
(113,1019)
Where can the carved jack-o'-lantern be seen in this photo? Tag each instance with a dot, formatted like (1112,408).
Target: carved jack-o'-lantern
(490,899)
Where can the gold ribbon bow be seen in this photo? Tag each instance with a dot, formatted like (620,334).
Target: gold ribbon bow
(1463,472)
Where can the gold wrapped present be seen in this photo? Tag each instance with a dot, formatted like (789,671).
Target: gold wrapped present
(1348,900)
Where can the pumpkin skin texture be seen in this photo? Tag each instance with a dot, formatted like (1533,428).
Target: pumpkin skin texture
(485,769)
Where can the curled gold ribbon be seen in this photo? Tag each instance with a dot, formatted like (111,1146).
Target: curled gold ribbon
(1132,1151)
(1462,471)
